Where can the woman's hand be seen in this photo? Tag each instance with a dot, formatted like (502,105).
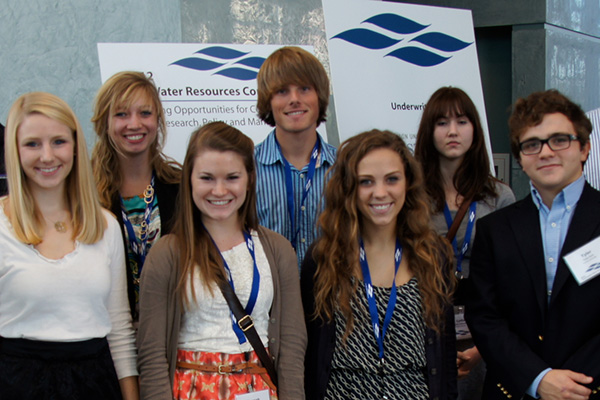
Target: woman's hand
(466,360)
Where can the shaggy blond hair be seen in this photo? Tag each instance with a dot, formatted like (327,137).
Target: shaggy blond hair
(119,92)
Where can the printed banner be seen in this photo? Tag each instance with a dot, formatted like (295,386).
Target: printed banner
(388,58)
(197,83)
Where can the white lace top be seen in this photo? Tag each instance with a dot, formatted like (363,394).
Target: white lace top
(206,325)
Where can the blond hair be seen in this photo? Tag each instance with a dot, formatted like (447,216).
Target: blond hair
(82,198)
(120,91)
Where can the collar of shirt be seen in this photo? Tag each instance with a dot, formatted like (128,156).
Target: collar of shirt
(554,225)
(567,198)
(268,153)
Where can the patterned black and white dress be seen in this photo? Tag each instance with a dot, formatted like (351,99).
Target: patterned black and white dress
(355,372)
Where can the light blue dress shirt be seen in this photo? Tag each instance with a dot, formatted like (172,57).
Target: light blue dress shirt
(554,224)
(271,201)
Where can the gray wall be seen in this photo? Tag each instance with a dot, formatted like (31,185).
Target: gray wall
(522,46)
(287,22)
(51,45)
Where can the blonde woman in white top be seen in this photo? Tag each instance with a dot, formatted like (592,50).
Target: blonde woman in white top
(62,282)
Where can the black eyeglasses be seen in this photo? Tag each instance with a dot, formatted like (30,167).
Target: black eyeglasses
(558,141)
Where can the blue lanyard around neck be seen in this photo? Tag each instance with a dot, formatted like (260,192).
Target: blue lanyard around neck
(289,186)
(139,247)
(364,265)
(255,284)
(465,245)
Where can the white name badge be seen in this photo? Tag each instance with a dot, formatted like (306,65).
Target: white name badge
(584,262)
(260,395)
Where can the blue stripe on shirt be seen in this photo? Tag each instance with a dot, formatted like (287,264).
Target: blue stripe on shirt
(271,196)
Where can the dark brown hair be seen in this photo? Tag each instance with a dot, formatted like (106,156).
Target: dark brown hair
(530,111)
(473,179)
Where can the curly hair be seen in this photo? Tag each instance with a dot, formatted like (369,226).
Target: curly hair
(473,179)
(196,246)
(337,251)
(118,92)
(530,111)
(290,65)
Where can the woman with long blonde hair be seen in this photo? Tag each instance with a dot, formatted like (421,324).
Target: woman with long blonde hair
(136,181)
(63,293)
(376,285)
(189,347)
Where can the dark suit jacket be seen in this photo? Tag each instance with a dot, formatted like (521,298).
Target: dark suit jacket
(440,350)
(166,196)
(517,332)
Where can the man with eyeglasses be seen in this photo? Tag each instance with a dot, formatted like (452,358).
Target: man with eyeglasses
(537,328)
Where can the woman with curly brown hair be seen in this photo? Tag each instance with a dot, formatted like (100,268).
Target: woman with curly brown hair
(377,284)
(135,180)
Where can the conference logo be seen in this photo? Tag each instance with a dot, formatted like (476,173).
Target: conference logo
(225,61)
(407,40)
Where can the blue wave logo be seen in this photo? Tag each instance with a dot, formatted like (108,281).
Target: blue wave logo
(224,61)
(593,267)
(398,25)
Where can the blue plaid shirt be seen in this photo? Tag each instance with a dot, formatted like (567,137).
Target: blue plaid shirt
(271,202)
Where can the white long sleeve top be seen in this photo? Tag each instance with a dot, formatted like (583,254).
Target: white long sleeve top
(78,297)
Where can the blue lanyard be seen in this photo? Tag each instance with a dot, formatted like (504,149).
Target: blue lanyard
(255,284)
(139,247)
(465,246)
(289,186)
(364,265)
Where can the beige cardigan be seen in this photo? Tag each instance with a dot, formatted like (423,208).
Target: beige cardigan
(160,318)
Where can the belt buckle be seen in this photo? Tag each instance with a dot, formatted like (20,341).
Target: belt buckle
(220,371)
(245,323)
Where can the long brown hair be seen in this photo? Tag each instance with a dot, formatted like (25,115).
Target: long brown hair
(120,91)
(195,244)
(337,253)
(472,179)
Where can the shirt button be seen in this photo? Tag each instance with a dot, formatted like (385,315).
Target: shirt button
(303,208)
(550,259)
(568,207)
(433,371)
(302,176)
(303,240)
(553,224)
(272,340)
(549,293)
(273,320)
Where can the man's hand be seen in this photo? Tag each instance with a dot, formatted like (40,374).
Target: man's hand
(564,384)
(466,360)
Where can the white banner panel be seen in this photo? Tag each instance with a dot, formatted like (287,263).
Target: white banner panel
(388,58)
(197,83)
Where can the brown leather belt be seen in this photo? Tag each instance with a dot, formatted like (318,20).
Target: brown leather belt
(246,368)
(222,369)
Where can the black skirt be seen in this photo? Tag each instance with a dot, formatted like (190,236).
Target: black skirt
(57,370)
